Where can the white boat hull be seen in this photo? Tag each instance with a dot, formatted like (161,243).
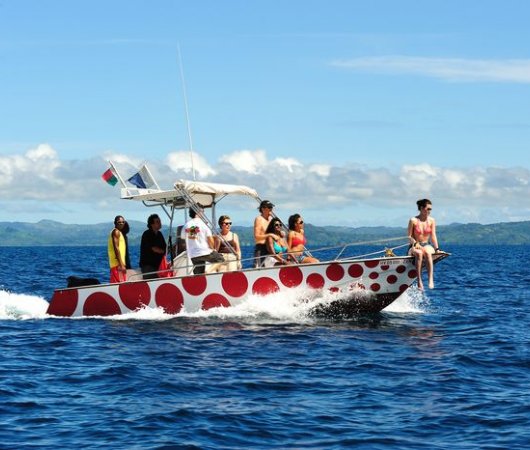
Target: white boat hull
(360,286)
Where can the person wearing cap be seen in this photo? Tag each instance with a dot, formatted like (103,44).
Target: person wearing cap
(260,232)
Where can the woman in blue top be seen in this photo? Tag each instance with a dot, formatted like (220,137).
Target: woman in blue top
(277,248)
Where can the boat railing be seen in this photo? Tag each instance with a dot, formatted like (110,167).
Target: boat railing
(186,268)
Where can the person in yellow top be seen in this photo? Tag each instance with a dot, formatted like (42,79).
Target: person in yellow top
(117,249)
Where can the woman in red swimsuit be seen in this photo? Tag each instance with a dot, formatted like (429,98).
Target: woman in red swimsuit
(296,240)
(423,240)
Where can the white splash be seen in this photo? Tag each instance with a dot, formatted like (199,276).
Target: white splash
(21,306)
(412,300)
(292,305)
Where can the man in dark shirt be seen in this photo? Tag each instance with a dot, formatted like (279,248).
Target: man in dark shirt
(152,248)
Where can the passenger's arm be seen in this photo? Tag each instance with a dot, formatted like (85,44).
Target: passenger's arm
(412,239)
(434,238)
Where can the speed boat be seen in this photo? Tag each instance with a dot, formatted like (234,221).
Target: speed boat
(338,287)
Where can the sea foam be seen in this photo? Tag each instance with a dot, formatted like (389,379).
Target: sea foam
(21,306)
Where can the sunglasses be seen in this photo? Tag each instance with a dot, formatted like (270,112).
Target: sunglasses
(429,209)
(120,223)
(227,223)
(278,224)
(301,222)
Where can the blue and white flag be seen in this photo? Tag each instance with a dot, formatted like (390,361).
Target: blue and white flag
(142,179)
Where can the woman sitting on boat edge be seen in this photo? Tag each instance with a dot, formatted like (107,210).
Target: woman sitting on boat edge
(421,233)
(296,240)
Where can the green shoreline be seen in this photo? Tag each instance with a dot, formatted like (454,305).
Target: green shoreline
(51,233)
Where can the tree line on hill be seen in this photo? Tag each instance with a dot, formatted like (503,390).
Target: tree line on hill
(51,233)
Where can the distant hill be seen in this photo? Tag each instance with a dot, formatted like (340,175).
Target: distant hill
(48,232)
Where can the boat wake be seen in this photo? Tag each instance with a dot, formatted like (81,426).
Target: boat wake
(294,305)
(21,306)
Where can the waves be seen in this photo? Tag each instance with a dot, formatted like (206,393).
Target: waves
(21,306)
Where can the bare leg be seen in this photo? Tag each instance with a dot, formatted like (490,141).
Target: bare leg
(430,270)
(419,263)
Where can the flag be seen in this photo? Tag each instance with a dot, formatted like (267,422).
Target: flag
(142,179)
(110,177)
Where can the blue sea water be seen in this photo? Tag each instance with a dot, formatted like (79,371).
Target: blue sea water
(448,368)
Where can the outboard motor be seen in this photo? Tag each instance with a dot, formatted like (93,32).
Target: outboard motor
(73,281)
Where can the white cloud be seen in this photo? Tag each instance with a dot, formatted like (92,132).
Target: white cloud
(246,160)
(49,187)
(448,69)
(186,162)
(321,170)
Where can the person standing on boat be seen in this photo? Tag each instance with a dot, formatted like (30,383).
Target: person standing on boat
(125,232)
(152,248)
(116,249)
(199,242)
(423,240)
(232,260)
(260,232)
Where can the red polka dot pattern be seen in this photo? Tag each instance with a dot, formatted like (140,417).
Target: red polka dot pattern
(335,272)
(215,301)
(63,303)
(316,281)
(194,285)
(264,286)
(169,297)
(135,295)
(391,279)
(383,276)
(355,270)
(235,284)
(100,304)
(291,276)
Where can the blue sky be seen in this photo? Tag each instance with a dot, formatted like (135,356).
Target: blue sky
(344,111)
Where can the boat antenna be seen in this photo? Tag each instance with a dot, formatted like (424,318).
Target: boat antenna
(186,108)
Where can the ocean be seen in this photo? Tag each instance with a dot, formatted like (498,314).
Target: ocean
(444,368)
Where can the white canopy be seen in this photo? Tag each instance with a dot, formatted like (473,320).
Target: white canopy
(187,191)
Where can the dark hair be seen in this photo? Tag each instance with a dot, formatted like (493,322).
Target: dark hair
(423,203)
(117,218)
(151,220)
(265,204)
(222,219)
(272,223)
(125,228)
(192,213)
(292,220)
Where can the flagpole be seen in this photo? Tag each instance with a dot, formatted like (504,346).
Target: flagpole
(152,177)
(186,108)
(117,174)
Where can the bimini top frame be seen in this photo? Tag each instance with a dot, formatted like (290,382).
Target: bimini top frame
(189,194)
(186,193)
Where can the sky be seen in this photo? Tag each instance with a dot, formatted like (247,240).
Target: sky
(344,111)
